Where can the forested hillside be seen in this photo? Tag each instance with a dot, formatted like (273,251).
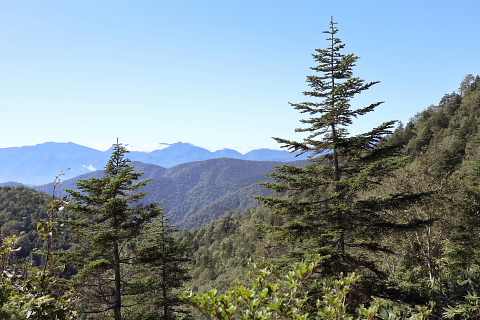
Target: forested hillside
(198,192)
(20,210)
(221,250)
(442,147)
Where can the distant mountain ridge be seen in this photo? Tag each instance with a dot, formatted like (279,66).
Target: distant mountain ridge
(196,193)
(40,164)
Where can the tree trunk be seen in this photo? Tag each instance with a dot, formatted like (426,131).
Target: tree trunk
(336,177)
(117,307)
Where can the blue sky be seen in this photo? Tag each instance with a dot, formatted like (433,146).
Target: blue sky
(216,74)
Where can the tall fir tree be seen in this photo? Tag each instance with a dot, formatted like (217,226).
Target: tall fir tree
(111,221)
(332,202)
(162,274)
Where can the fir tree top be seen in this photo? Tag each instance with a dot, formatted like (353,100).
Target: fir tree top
(336,86)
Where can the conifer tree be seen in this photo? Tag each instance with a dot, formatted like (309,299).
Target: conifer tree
(111,221)
(162,274)
(332,203)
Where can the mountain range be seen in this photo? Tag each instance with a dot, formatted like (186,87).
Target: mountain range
(40,164)
(196,193)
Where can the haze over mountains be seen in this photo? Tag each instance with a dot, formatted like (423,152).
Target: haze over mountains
(39,164)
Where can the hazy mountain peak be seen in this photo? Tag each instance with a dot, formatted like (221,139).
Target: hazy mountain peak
(39,164)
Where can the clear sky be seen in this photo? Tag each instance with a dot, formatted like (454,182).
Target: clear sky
(216,74)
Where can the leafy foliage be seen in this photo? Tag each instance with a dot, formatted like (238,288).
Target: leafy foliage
(35,292)
(286,298)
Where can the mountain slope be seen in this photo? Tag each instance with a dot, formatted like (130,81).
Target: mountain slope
(196,193)
(237,201)
(188,188)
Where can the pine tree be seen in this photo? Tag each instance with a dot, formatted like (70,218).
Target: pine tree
(332,202)
(111,221)
(163,272)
